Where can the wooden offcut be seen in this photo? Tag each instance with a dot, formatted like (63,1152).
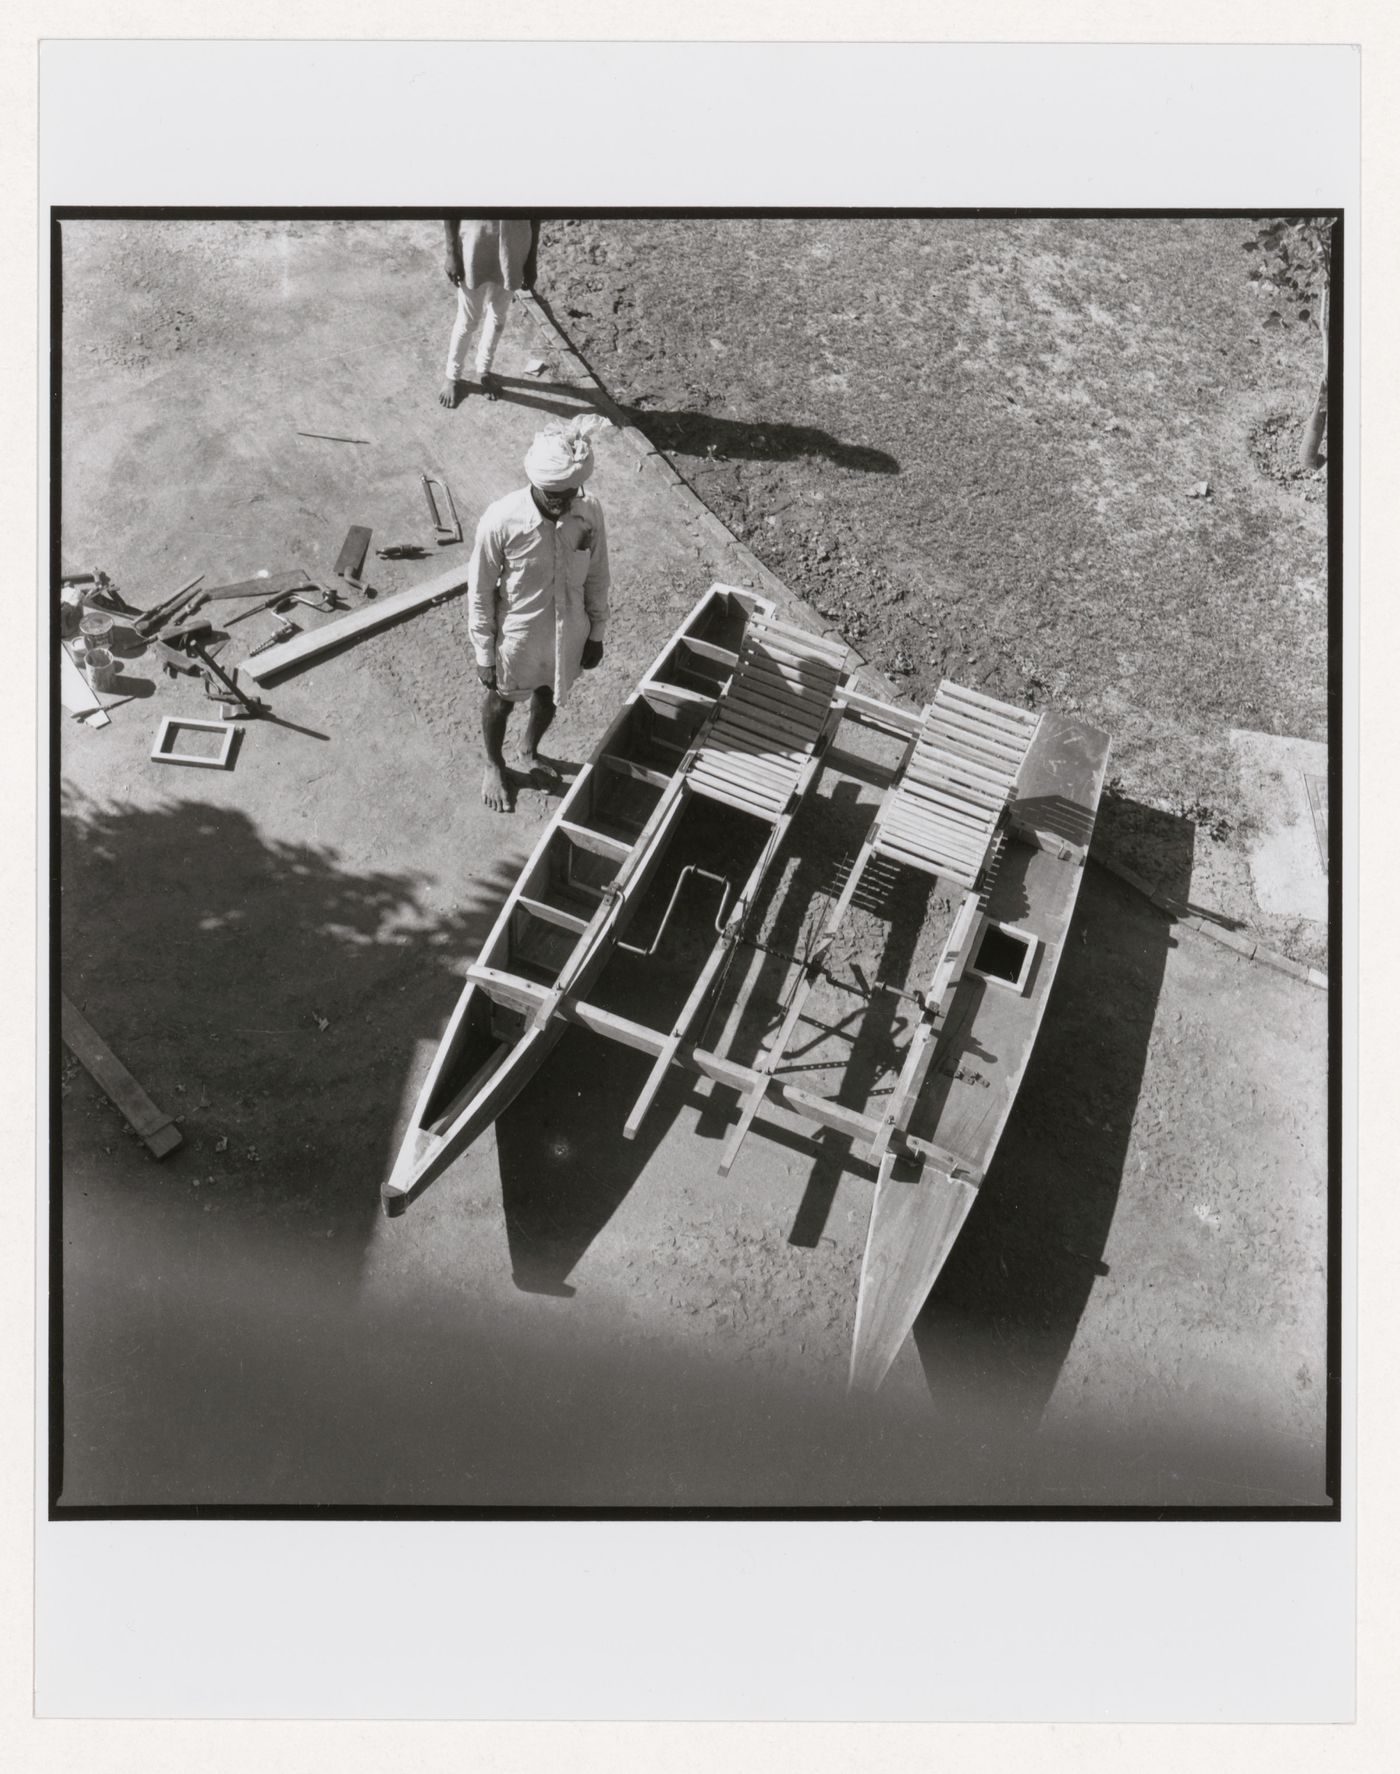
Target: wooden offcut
(153,1125)
(317,642)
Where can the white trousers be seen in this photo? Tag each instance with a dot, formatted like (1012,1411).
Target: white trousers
(488,301)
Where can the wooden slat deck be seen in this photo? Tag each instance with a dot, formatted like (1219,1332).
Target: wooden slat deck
(943,813)
(770,718)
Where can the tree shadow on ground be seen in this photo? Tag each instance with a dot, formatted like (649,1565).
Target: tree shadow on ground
(1002,1316)
(261,988)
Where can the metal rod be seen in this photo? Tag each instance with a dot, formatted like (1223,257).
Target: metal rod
(633,948)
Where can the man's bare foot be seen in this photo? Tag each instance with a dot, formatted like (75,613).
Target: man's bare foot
(451,392)
(542,771)
(495,790)
(490,384)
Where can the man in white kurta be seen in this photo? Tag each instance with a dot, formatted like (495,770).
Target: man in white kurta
(537,589)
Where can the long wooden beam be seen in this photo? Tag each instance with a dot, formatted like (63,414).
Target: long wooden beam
(306,648)
(154,1126)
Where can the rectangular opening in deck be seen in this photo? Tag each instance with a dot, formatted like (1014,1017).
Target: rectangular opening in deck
(1004,956)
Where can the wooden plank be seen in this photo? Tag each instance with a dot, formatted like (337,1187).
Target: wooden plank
(915,1218)
(982,810)
(766,802)
(955,838)
(799,646)
(919,797)
(796,679)
(771,766)
(971,823)
(77,694)
(638,772)
(613,849)
(727,771)
(553,914)
(306,648)
(747,741)
(998,717)
(948,724)
(941,763)
(715,792)
(508,988)
(870,711)
(676,693)
(707,650)
(1025,717)
(898,851)
(799,711)
(945,763)
(741,718)
(151,1123)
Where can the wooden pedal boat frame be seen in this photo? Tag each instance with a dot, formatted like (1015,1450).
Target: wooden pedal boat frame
(925,1185)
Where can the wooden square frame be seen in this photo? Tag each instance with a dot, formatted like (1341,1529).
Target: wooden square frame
(171,725)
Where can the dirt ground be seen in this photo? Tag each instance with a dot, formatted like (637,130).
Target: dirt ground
(974,446)
(1135,1312)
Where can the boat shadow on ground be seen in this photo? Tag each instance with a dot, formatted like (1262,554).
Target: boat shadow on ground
(999,1323)
(565,1166)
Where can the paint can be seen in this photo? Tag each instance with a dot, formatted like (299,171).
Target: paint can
(96,629)
(101,668)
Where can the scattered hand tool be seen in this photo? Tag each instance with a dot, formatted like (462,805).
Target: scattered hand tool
(186,650)
(296,580)
(285,631)
(445,532)
(328,600)
(185,598)
(350,562)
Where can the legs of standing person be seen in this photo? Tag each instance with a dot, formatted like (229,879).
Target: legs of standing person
(495,788)
(497,306)
(536,726)
(488,301)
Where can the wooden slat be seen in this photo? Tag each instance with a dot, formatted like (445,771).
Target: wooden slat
(744,742)
(763,806)
(796,680)
(751,719)
(937,764)
(1006,726)
(934,841)
(746,788)
(598,842)
(676,693)
(1007,710)
(923,798)
(715,792)
(899,851)
(151,1123)
(797,644)
(734,767)
(933,844)
(806,712)
(508,988)
(552,914)
(749,741)
(707,650)
(932,819)
(306,648)
(953,725)
(638,772)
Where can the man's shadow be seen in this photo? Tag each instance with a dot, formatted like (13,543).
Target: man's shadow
(703,436)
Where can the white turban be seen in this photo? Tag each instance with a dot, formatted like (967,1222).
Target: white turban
(561,455)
